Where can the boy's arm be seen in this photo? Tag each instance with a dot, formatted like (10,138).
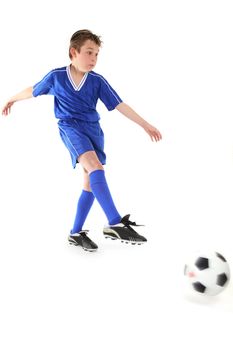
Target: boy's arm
(23,95)
(128,112)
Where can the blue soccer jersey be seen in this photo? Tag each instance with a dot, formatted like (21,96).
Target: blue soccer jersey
(77,102)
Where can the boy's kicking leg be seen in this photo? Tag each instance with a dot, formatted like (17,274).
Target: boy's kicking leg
(118,227)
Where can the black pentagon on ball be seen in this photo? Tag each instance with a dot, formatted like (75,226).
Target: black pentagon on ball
(202,263)
(220,257)
(199,287)
(221,279)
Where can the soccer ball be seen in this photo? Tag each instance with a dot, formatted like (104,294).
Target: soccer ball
(208,274)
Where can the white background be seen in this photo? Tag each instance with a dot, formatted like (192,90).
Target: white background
(172,62)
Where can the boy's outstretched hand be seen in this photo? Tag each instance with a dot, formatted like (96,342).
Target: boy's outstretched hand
(7,108)
(127,111)
(26,93)
(154,133)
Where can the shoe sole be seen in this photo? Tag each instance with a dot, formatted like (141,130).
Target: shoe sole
(87,250)
(124,240)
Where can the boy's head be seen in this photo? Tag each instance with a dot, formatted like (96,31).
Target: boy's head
(79,38)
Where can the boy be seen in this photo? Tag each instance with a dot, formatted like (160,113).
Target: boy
(76,89)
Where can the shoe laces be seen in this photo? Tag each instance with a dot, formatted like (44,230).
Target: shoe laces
(83,233)
(125,220)
(128,224)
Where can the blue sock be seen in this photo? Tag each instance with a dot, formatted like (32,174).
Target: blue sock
(84,205)
(101,192)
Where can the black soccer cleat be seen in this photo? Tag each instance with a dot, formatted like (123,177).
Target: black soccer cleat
(81,239)
(124,232)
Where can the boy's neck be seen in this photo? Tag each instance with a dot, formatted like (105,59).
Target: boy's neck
(75,70)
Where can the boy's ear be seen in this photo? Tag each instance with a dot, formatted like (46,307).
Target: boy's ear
(73,52)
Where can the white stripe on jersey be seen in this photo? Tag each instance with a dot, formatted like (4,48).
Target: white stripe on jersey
(99,76)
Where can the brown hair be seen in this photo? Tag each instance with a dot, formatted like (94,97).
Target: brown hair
(80,37)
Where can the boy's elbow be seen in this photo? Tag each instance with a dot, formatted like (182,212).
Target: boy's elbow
(120,106)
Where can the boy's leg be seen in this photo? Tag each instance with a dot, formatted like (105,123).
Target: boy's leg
(85,202)
(84,205)
(77,235)
(118,227)
(99,186)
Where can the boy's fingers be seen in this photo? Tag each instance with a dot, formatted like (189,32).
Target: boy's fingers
(157,136)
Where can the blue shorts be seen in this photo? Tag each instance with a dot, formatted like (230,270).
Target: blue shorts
(81,136)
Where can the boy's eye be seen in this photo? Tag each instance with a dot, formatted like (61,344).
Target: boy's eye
(90,53)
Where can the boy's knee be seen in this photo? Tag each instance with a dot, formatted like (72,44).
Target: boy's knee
(90,162)
(95,166)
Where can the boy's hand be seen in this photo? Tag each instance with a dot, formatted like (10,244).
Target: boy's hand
(7,108)
(154,133)
(26,93)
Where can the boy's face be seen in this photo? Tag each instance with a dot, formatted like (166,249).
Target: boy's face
(86,59)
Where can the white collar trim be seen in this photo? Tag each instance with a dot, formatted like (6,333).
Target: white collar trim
(80,85)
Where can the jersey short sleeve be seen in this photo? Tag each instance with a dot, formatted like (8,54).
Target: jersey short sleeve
(45,86)
(108,95)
